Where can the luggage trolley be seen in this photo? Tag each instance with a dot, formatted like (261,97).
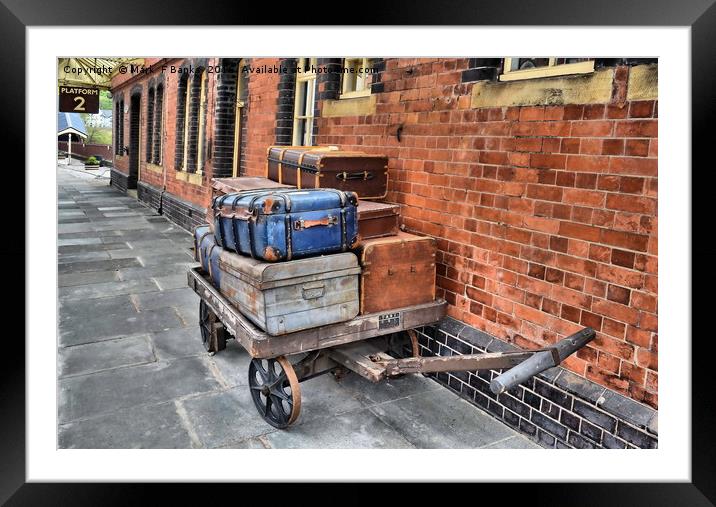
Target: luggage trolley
(280,363)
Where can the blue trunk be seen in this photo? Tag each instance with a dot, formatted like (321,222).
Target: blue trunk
(206,252)
(280,225)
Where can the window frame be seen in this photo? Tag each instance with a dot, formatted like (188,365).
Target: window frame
(551,70)
(365,90)
(308,116)
(185,134)
(158,124)
(201,118)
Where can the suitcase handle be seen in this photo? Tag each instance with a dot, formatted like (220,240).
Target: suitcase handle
(306,224)
(313,291)
(360,175)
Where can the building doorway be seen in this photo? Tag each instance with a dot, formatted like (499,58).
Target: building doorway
(134,153)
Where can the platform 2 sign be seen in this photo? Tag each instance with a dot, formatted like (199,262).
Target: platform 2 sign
(79,99)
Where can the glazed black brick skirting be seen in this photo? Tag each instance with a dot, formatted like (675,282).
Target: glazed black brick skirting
(557,409)
(183,213)
(150,195)
(118,180)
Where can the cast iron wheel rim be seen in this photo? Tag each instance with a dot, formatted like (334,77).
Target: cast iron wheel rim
(212,337)
(275,391)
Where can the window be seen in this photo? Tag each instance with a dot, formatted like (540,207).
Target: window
(202,123)
(304,102)
(117,141)
(532,67)
(157,137)
(242,93)
(185,128)
(355,78)
(181,122)
(150,124)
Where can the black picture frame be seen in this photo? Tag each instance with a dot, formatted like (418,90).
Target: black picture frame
(700,15)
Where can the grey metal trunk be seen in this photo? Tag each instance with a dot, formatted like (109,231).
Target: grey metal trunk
(285,297)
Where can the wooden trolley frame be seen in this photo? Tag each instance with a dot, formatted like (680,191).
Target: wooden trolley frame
(360,345)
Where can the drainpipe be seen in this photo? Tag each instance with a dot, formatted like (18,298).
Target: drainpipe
(69,148)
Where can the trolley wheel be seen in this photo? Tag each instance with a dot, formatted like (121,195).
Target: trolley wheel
(275,391)
(213,334)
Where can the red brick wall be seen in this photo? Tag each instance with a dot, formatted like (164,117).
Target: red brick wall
(197,194)
(546,217)
(262,106)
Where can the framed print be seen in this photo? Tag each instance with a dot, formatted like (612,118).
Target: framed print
(408,251)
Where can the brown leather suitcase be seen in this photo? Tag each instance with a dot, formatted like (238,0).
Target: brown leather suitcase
(377,219)
(327,167)
(398,271)
(223,186)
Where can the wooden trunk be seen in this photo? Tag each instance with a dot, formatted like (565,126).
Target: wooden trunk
(398,271)
(223,186)
(286,297)
(377,220)
(327,167)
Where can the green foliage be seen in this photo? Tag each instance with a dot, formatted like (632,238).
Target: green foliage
(91,161)
(105,102)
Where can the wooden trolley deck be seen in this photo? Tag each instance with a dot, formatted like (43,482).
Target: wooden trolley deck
(261,345)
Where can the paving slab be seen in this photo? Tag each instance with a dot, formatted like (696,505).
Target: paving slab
(513,442)
(71,311)
(232,362)
(224,417)
(441,419)
(178,257)
(354,430)
(114,288)
(169,282)
(158,271)
(323,396)
(105,265)
(94,247)
(71,279)
(167,298)
(78,241)
(179,342)
(370,393)
(189,314)
(100,327)
(249,443)
(94,357)
(109,391)
(82,257)
(156,426)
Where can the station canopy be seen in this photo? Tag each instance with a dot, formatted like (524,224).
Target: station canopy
(93,72)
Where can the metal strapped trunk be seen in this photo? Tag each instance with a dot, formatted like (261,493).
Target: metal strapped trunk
(206,253)
(328,167)
(377,219)
(292,296)
(285,224)
(398,271)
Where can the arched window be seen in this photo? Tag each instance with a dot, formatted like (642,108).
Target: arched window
(150,124)
(201,134)
(195,119)
(157,137)
(117,141)
(181,124)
